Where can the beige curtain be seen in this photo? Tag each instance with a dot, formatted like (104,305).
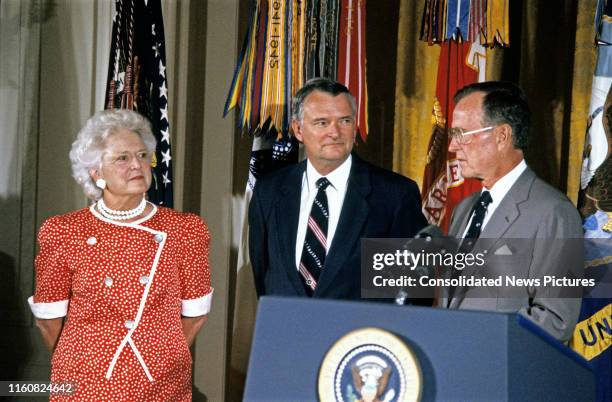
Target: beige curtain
(551,56)
(417,68)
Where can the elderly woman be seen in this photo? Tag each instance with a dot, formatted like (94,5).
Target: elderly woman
(130,278)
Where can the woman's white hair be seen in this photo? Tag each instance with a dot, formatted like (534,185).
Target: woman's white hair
(91,142)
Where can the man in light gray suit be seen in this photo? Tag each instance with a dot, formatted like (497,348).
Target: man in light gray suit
(517,217)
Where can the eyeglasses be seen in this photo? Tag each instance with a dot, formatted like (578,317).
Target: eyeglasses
(463,137)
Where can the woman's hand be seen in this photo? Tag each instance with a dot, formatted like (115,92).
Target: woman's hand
(191,327)
(50,331)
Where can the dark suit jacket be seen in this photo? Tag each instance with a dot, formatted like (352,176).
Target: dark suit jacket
(378,204)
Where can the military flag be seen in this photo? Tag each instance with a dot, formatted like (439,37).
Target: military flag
(593,334)
(443,185)
(463,29)
(289,42)
(351,57)
(137,81)
(483,21)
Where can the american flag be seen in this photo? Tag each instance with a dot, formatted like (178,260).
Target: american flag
(137,81)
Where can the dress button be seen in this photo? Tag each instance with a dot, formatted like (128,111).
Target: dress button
(108,281)
(129,324)
(144,279)
(92,240)
(158,238)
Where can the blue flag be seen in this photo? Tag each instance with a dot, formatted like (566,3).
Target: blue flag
(593,334)
(137,81)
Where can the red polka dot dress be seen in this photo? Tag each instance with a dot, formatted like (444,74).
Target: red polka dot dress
(123,288)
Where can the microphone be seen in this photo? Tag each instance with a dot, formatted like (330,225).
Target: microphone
(428,233)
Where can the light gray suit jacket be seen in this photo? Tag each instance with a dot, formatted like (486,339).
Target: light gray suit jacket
(525,235)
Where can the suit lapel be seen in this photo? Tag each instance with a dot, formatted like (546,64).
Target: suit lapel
(507,212)
(287,213)
(355,211)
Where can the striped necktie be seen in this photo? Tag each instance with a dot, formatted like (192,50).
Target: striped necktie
(315,243)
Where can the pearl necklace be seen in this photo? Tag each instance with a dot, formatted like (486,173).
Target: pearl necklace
(118,214)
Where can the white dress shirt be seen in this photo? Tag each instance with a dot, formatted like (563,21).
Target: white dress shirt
(498,191)
(335,198)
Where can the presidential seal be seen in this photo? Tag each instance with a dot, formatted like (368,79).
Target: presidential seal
(370,365)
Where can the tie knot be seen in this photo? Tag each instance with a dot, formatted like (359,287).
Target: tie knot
(322,183)
(485,199)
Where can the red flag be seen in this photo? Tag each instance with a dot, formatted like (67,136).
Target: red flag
(443,185)
(352,57)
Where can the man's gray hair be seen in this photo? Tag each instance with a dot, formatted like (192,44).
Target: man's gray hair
(323,85)
(503,103)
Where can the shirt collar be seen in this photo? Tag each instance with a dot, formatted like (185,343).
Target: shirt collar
(503,185)
(338,177)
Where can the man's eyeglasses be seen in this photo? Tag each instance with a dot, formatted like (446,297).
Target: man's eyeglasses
(464,137)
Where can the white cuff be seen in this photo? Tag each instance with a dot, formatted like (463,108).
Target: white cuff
(47,311)
(197,307)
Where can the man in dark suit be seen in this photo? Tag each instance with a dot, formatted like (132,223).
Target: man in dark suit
(306,221)
(527,228)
